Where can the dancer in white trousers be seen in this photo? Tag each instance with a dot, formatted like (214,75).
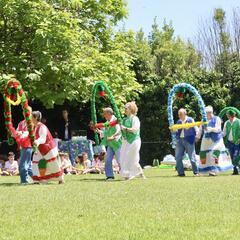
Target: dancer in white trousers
(129,156)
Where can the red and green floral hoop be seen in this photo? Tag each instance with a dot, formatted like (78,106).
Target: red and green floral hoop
(14,94)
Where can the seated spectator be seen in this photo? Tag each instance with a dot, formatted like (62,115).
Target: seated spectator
(2,163)
(97,166)
(115,166)
(11,166)
(66,163)
(56,139)
(83,163)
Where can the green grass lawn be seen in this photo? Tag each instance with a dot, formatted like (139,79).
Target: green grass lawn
(86,207)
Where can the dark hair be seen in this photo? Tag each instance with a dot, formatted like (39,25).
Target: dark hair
(37,115)
(231,113)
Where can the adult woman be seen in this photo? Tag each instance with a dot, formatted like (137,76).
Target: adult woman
(129,156)
(46,162)
(214,156)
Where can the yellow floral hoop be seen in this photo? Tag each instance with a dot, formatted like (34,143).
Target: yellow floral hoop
(12,102)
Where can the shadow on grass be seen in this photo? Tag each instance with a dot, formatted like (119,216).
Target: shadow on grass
(25,185)
(189,176)
(10,184)
(95,180)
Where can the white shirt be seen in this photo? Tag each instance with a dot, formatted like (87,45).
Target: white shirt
(182,131)
(11,166)
(118,128)
(135,123)
(230,136)
(66,131)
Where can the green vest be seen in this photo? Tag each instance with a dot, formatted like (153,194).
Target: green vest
(235,130)
(114,144)
(130,136)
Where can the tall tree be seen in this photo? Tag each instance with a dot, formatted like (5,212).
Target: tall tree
(57,49)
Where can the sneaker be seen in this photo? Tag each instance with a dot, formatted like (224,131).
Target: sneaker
(181,175)
(212,174)
(24,183)
(235,171)
(196,175)
(109,178)
(131,178)
(142,176)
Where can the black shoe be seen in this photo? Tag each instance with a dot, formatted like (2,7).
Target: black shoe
(235,171)
(109,178)
(181,175)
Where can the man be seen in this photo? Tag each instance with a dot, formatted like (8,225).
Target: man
(112,140)
(65,127)
(231,132)
(185,143)
(25,164)
(11,166)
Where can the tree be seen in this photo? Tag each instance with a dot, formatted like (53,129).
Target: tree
(170,61)
(57,49)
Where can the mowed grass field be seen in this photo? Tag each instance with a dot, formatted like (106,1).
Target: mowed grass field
(87,207)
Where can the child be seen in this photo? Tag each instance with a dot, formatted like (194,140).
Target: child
(97,166)
(115,165)
(83,164)
(2,162)
(66,163)
(11,166)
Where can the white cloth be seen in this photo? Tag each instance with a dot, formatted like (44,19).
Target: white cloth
(217,157)
(129,159)
(135,124)
(52,166)
(11,166)
(42,135)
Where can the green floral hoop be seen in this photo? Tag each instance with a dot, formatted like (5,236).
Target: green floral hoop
(101,87)
(226,109)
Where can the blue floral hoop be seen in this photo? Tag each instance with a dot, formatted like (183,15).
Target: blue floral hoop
(170,106)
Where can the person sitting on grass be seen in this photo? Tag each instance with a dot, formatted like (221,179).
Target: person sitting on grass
(97,166)
(11,166)
(2,163)
(66,163)
(83,163)
(116,168)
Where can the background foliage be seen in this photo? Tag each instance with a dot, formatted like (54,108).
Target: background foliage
(59,48)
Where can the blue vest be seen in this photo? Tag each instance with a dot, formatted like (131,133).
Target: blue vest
(214,136)
(189,134)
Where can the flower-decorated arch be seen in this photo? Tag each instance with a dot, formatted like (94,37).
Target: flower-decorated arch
(180,89)
(226,109)
(101,88)
(14,94)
